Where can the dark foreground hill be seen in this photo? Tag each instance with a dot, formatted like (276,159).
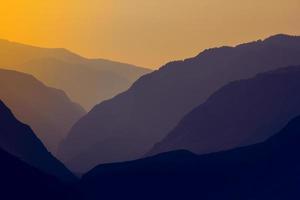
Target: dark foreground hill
(21,181)
(19,140)
(128,126)
(241,113)
(86,81)
(268,170)
(48,111)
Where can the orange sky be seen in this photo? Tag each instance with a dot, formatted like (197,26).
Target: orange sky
(145,32)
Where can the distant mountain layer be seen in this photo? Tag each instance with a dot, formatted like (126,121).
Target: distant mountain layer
(241,113)
(21,181)
(87,81)
(269,170)
(127,126)
(19,140)
(48,111)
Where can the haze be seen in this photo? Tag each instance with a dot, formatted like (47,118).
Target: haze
(141,32)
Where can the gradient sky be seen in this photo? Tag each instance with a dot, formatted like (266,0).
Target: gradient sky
(145,32)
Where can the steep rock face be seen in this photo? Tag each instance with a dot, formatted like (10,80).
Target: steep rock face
(241,113)
(86,81)
(19,140)
(127,126)
(48,111)
(268,170)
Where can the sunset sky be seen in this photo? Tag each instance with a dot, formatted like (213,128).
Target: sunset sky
(145,32)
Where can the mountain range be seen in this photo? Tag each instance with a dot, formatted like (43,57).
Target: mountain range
(128,125)
(19,140)
(241,113)
(48,111)
(269,170)
(86,81)
(222,125)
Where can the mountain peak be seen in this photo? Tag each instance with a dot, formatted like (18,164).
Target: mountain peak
(280,37)
(166,95)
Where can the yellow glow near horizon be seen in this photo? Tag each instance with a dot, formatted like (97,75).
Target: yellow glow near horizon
(142,32)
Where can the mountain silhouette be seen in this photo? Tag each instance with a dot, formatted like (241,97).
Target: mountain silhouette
(48,111)
(268,170)
(21,181)
(86,81)
(241,113)
(128,125)
(19,140)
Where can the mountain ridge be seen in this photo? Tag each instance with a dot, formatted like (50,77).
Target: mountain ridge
(49,111)
(268,170)
(30,59)
(156,102)
(235,109)
(19,140)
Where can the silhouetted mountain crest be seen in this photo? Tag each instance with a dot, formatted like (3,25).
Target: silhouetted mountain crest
(47,110)
(282,38)
(18,139)
(268,170)
(127,126)
(86,81)
(241,113)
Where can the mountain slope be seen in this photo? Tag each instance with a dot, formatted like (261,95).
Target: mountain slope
(18,139)
(127,126)
(82,83)
(48,111)
(87,81)
(269,170)
(242,112)
(21,181)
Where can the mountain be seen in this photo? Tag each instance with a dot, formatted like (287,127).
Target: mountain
(86,81)
(48,111)
(128,125)
(19,140)
(268,170)
(21,181)
(241,113)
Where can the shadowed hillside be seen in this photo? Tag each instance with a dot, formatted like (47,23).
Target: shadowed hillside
(127,126)
(19,140)
(241,113)
(86,81)
(48,111)
(269,170)
(21,181)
